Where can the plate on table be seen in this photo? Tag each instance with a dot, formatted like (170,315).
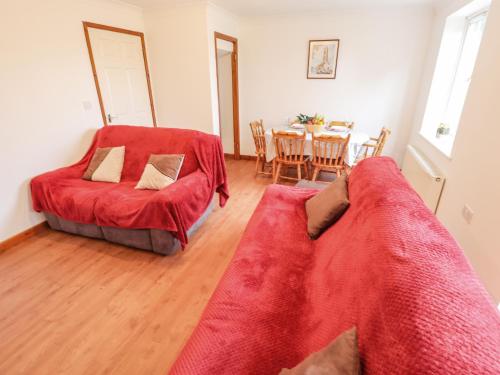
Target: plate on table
(297,126)
(337,129)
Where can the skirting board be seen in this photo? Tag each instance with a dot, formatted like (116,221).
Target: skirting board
(242,157)
(23,236)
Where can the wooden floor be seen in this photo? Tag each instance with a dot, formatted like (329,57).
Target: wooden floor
(72,305)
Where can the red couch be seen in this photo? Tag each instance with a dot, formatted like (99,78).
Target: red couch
(65,195)
(387,267)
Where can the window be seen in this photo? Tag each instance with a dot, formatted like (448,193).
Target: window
(456,61)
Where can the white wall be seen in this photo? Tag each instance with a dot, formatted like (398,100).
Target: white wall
(473,173)
(226,101)
(381,56)
(45,77)
(178,52)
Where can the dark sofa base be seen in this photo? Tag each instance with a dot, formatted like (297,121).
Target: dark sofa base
(155,240)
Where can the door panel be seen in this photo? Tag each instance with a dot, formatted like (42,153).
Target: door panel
(120,69)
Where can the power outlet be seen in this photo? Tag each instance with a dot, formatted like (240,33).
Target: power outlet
(87,105)
(468,214)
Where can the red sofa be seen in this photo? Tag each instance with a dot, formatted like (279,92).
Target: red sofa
(106,209)
(387,267)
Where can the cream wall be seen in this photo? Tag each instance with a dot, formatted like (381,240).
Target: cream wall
(45,77)
(179,59)
(181,47)
(382,51)
(473,173)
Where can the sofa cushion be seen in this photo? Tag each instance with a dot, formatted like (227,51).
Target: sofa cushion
(106,165)
(71,198)
(328,206)
(341,357)
(127,207)
(262,298)
(160,172)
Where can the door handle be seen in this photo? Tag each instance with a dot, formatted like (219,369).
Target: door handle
(110,118)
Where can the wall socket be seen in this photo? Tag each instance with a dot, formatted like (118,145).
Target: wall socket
(468,214)
(87,105)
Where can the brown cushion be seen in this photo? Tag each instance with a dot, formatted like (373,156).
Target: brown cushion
(328,206)
(339,357)
(160,171)
(106,165)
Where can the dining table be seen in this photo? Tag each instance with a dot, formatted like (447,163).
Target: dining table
(355,147)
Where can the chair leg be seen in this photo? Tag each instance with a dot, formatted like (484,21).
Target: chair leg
(299,172)
(264,161)
(277,175)
(274,168)
(315,174)
(257,164)
(306,170)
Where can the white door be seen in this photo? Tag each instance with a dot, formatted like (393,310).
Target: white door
(121,72)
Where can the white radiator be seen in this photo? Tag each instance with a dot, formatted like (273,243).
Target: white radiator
(423,176)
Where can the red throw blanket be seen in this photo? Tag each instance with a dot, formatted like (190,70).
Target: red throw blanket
(176,208)
(387,267)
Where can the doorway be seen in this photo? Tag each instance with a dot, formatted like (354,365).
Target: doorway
(121,75)
(226,57)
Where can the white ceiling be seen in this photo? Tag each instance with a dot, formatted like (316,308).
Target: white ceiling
(267,7)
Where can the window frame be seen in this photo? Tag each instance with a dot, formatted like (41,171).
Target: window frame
(445,144)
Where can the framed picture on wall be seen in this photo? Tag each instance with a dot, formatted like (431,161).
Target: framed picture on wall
(323,56)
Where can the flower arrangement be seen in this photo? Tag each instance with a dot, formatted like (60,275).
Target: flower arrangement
(310,120)
(312,123)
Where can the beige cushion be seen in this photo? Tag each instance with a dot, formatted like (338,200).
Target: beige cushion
(106,165)
(328,206)
(339,357)
(160,171)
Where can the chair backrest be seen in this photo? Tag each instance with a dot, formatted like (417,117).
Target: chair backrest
(289,146)
(259,136)
(329,150)
(348,125)
(382,139)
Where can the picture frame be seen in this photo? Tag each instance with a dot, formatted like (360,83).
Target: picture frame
(323,59)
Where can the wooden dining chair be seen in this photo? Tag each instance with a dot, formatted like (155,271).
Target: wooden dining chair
(259,138)
(329,153)
(374,146)
(290,153)
(346,124)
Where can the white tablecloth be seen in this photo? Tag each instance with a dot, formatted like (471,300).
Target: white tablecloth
(355,144)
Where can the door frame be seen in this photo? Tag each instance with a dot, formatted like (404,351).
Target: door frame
(235,89)
(86,26)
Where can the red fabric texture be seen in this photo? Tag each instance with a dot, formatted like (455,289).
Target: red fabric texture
(387,267)
(176,208)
